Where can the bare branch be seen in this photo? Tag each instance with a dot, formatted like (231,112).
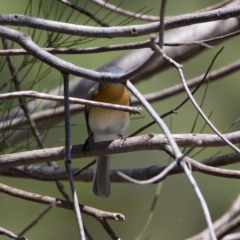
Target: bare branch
(162,26)
(125,31)
(181,74)
(84,11)
(109,230)
(156,117)
(34,197)
(68,158)
(34,94)
(223,222)
(157,178)
(35,221)
(126,12)
(148,17)
(178,88)
(117,47)
(41,117)
(206,166)
(10,234)
(145,142)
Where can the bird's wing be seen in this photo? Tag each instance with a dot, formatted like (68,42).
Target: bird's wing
(86,112)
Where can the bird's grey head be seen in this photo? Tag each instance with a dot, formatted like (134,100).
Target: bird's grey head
(114,70)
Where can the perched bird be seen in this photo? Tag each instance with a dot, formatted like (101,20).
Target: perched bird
(106,124)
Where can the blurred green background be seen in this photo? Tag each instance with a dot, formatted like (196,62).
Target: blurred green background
(178,214)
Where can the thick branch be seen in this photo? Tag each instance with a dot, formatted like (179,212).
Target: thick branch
(144,142)
(206,166)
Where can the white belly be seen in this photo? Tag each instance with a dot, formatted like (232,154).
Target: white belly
(108,124)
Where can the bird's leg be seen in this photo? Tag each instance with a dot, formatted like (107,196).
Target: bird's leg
(123,137)
(85,145)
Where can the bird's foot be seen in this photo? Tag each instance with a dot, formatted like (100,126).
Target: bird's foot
(124,138)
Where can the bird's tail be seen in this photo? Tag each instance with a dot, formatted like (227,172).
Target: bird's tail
(101,181)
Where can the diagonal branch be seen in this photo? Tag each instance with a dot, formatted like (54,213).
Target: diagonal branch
(85,12)
(10,234)
(34,197)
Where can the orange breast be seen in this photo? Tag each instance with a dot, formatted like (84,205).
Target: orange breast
(112,93)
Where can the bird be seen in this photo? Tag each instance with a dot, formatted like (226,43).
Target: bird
(106,124)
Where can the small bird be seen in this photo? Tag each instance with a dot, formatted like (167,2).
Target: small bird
(106,124)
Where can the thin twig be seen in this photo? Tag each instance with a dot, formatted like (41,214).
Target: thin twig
(158,48)
(149,17)
(87,233)
(22,103)
(227,217)
(154,179)
(126,12)
(34,130)
(10,234)
(203,204)
(179,69)
(161,28)
(68,155)
(178,88)
(215,6)
(201,199)
(85,12)
(62,177)
(35,221)
(156,117)
(108,229)
(181,104)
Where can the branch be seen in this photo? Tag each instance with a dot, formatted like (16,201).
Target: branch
(201,112)
(34,94)
(124,31)
(145,142)
(122,11)
(219,225)
(206,166)
(85,12)
(63,66)
(68,159)
(35,220)
(34,197)
(10,234)
(117,47)
(41,117)
(147,17)
(178,88)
